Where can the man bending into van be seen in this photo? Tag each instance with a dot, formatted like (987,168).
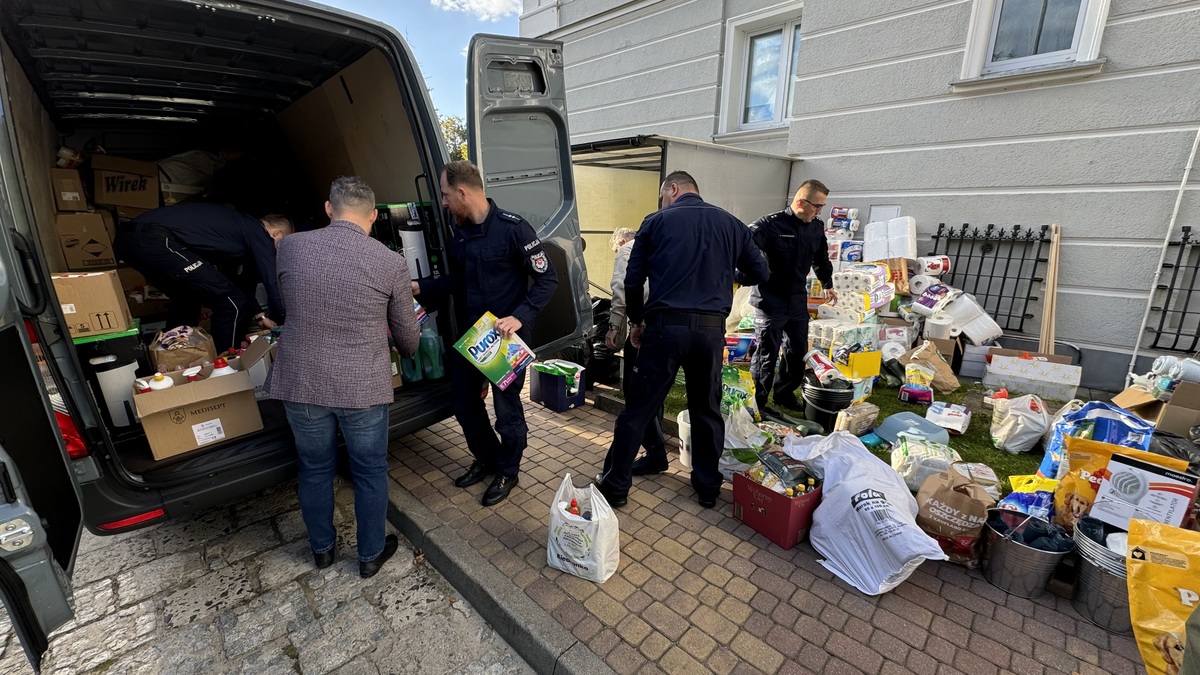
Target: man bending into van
(343,290)
(179,248)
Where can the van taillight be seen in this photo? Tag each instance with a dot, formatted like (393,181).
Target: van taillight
(76,449)
(135,520)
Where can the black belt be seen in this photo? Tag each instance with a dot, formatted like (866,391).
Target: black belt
(685,319)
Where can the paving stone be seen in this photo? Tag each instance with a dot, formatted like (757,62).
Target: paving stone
(103,640)
(159,575)
(254,538)
(266,618)
(194,650)
(990,650)
(351,630)
(655,645)
(756,652)
(92,602)
(411,598)
(190,534)
(123,555)
(855,652)
(678,662)
(208,596)
(625,659)
(717,626)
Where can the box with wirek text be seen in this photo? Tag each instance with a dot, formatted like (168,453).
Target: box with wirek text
(192,415)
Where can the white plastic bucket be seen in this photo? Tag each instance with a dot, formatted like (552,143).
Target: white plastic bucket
(685,439)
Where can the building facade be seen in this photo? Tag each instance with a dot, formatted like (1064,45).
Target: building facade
(1078,112)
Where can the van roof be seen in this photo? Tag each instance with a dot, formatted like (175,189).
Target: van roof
(174,62)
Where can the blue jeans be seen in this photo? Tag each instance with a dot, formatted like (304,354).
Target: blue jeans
(366,433)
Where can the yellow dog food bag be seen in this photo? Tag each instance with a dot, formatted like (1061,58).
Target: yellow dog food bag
(1087,463)
(1164,590)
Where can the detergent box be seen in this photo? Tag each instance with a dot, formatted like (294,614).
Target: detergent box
(501,359)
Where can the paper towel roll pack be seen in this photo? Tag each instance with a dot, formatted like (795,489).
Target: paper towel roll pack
(934,266)
(895,238)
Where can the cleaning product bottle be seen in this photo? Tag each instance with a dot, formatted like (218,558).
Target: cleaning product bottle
(161,381)
(221,367)
(432,351)
(574,508)
(411,368)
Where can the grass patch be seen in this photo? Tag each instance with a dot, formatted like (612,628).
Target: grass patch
(974,446)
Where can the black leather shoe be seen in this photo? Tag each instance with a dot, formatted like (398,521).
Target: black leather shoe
(614,500)
(707,502)
(367,570)
(647,467)
(499,489)
(475,474)
(325,559)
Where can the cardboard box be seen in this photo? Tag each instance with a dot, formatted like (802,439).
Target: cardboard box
(110,222)
(1182,412)
(974,360)
(125,182)
(1141,403)
(1137,489)
(951,350)
(68,190)
(782,519)
(862,364)
(1049,380)
(92,303)
(84,240)
(550,390)
(256,361)
(191,415)
(125,213)
(143,299)
(1039,356)
(202,349)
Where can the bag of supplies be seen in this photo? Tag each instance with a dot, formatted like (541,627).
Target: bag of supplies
(584,537)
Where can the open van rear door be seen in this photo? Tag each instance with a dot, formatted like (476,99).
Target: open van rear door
(517,136)
(40,512)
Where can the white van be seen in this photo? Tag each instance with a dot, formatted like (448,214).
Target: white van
(338,94)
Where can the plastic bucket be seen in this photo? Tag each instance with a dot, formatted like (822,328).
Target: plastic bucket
(823,405)
(685,439)
(1014,567)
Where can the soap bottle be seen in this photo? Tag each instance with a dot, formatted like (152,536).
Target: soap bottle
(431,352)
(160,381)
(410,367)
(221,367)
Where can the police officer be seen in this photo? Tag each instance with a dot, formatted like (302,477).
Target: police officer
(497,265)
(794,242)
(178,248)
(689,251)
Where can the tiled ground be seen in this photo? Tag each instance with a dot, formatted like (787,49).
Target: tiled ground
(699,591)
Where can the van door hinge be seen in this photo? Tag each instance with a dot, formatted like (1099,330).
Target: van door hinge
(15,535)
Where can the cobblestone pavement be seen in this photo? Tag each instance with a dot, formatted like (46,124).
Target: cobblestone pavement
(699,591)
(235,591)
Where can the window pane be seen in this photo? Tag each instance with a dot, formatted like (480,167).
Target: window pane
(791,75)
(1029,27)
(762,78)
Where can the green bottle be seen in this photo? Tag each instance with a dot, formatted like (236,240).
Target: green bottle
(431,352)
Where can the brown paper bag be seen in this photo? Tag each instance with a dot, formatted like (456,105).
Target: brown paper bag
(953,510)
(944,380)
(202,349)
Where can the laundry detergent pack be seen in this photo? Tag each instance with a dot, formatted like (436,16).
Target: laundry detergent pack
(501,359)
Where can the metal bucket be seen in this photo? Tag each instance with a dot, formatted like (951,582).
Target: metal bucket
(1102,594)
(1014,567)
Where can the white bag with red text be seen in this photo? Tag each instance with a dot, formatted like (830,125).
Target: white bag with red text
(584,539)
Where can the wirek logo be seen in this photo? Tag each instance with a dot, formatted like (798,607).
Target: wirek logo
(120,183)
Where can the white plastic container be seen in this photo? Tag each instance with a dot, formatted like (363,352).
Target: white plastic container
(160,381)
(221,367)
(685,439)
(114,378)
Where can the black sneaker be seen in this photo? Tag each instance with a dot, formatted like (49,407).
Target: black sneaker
(369,569)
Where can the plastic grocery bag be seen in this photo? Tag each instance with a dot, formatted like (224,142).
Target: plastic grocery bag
(1018,423)
(916,459)
(1164,591)
(587,545)
(866,524)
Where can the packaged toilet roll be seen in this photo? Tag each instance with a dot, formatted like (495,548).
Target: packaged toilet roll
(895,238)
(934,266)
(865,302)
(918,284)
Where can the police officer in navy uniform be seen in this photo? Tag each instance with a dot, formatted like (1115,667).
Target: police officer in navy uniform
(689,250)
(497,265)
(794,242)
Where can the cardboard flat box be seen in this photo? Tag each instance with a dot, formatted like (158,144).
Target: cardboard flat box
(256,361)
(125,182)
(84,240)
(1137,489)
(1140,402)
(1051,381)
(92,303)
(1182,412)
(192,415)
(1039,356)
(110,222)
(68,190)
(974,360)
(782,519)
(951,350)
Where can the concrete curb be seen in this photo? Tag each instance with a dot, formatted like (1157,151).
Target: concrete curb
(538,637)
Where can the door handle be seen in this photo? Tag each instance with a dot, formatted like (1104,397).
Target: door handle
(33,276)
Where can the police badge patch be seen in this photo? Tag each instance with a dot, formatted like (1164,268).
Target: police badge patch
(540,263)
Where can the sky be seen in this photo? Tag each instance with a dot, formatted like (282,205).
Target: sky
(438,32)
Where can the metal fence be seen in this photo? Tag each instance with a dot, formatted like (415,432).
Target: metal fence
(1178,327)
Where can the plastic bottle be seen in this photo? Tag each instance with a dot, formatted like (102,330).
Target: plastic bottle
(411,369)
(221,367)
(432,351)
(161,381)
(192,374)
(574,508)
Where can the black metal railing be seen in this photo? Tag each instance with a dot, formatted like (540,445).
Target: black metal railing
(999,266)
(1178,319)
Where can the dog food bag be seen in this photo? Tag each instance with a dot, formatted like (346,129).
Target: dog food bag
(1164,591)
(1087,463)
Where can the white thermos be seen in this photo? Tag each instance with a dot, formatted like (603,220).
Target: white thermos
(116,384)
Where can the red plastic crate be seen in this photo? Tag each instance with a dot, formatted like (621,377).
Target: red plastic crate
(784,520)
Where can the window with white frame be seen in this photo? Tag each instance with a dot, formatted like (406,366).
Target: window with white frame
(761,49)
(1012,36)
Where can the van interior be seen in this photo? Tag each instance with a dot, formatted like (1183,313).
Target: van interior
(302,101)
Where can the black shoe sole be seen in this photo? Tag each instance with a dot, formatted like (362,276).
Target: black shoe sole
(707,503)
(366,570)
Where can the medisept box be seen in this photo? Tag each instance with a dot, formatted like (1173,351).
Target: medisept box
(500,359)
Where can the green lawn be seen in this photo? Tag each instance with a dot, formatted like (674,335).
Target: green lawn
(974,446)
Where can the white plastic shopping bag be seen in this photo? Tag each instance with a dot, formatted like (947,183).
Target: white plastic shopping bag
(587,544)
(866,524)
(1018,423)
